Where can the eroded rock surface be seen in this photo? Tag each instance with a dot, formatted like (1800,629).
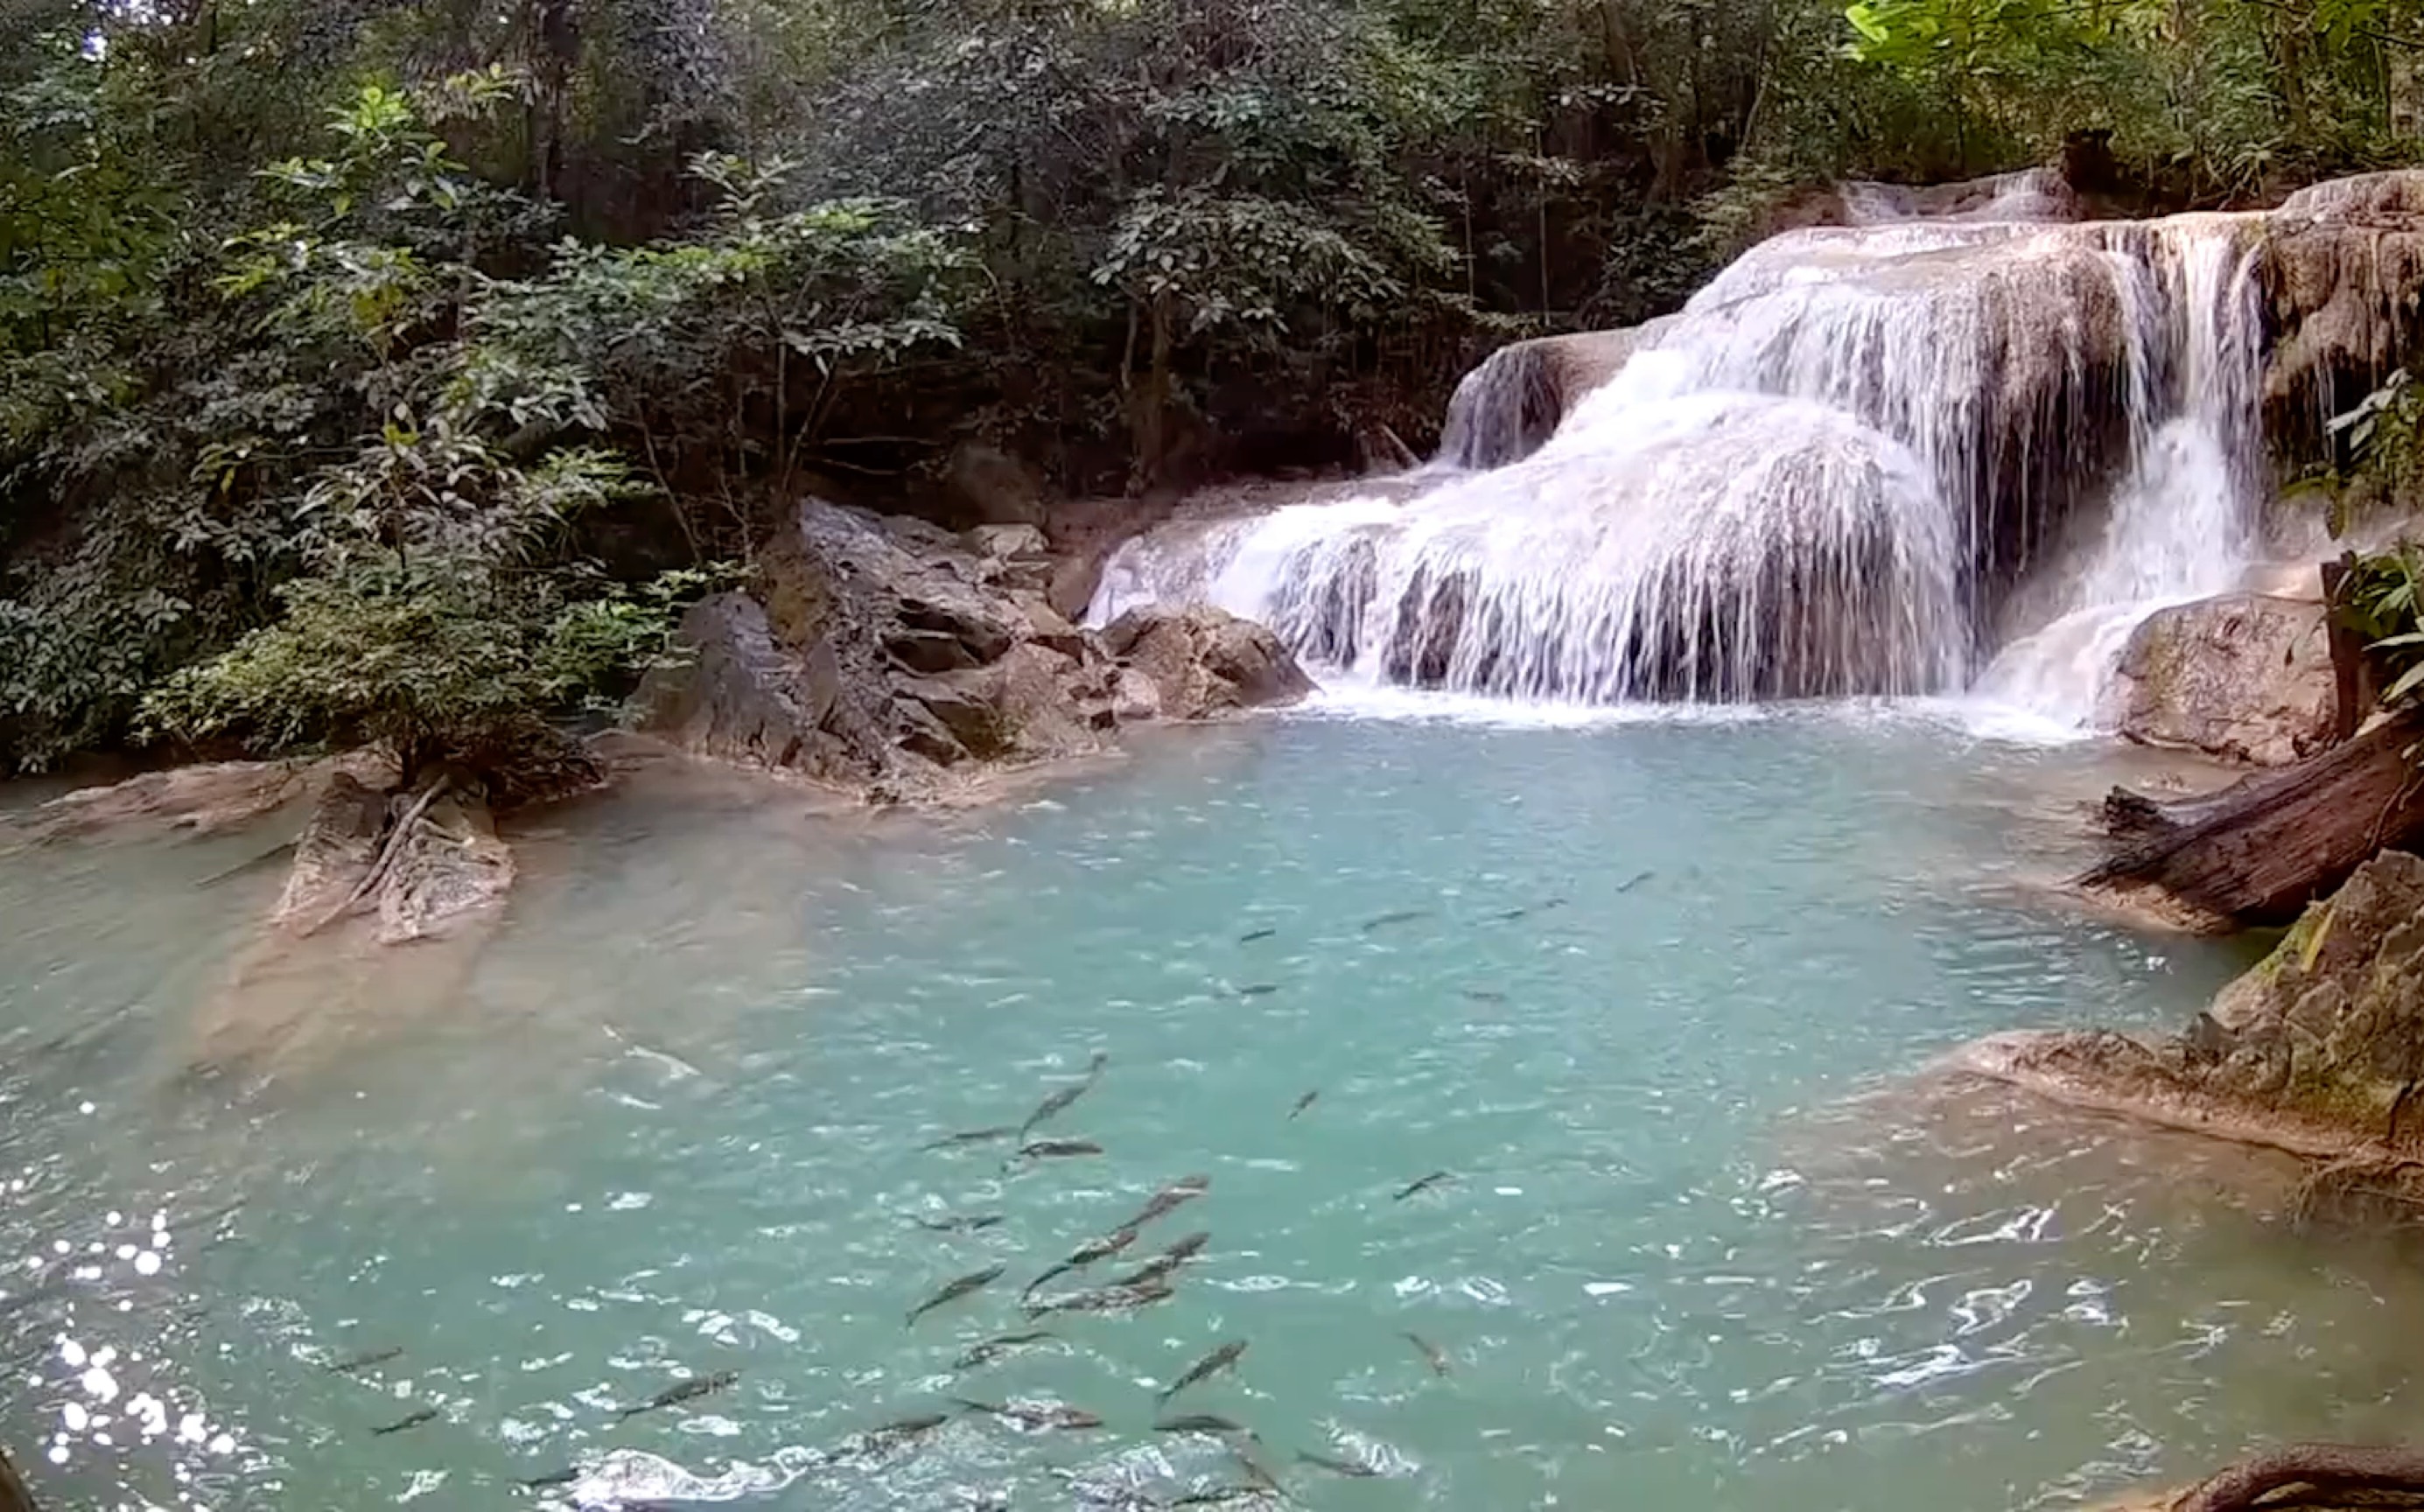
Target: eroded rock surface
(447,865)
(2319,1050)
(2246,677)
(893,657)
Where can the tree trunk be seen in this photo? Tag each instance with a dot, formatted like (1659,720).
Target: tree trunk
(2259,852)
(2334,1468)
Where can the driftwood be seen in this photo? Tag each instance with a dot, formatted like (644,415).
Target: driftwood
(2333,1470)
(13,1495)
(2258,853)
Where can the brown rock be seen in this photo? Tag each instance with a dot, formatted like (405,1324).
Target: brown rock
(2243,677)
(1206,661)
(338,845)
(451,865)
(2319,1050)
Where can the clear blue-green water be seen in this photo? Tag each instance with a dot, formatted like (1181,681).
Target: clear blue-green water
(1703,1247)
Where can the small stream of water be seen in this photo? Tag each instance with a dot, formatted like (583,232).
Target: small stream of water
(1643,988)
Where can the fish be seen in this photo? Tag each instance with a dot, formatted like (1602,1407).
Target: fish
(1403,916)
(1105,1299)
(1035,1414)
(555,1477)
(954,1291)
(1170,1199)
(1303,1103)
(996,1346)
(1430,1352)
(1058,1102)
(1339,1467)
(1155,1271)
(1425,1185)
(414,1420)
(1206,1368)
(1510,916)
(377,1357)
(892,1435)
(679,1391)
(1260,989)
(974,1137)
(968,1223)
(1084,1256)
(1047,1149)
(1215,1496)
(1559,903)
(1483,994)
(1637,881)
(1251,935)
(1198,1423)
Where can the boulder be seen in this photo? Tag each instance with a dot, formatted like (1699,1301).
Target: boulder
(450,865)
(2343,268)
(2319,1050)
(334,853)
(2246,677)
(881,653)
(1206,662)
(447,863)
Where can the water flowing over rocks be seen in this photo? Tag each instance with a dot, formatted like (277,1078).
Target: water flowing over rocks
(2244,677)
(1923,441)
(891,657)
(2319,1050)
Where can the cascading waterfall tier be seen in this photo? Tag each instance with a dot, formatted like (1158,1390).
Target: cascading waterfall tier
(1825,475)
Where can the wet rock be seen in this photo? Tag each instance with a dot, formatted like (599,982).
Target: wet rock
(14,1497)
(2245,677)
(1206,661)
(889,657)
(2343,265)
(448,865)
(2319,1050)
(336,849)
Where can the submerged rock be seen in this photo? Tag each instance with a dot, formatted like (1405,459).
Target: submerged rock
(893,657)
(446,862)
(1206,662)
(2319,1050)
(2245,677)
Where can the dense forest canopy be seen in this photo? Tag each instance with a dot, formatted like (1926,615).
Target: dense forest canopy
(392,369)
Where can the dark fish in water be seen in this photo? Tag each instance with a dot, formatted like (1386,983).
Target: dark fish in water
(995,1347)
(377,1357)
(1403,916)
(688,1390)
(1035,1414)
(1047,1149)
(1510,916)
(1260,989)
(1482,994)
(1170,1199)
(1114,1299)
(1155,1271)
(1430,1352)
(1338,1467)
(1198,1423)
(1559,903)
(1058,1102)
(557,1477)
(1425,1185)
(1084,1256)
(1637,881)
(911,1427)
(1251,935)
(1216,1496)
(973,1281)
(427,1414)
(967,1224)
(974,1137)
(1206,1368)
(1303,1103)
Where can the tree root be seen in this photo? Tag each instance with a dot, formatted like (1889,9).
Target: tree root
(387,855)
(2333,1468)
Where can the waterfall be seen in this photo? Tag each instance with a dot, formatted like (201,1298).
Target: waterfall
(1856,463)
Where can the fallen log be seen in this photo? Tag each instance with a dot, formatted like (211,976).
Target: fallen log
(2332,1469)
(2258,853)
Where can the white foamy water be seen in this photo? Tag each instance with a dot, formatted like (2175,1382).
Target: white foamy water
(1856,464)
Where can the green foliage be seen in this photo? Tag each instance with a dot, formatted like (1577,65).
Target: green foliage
(2382,600)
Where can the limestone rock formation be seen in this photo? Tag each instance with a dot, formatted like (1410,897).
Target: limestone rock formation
(2344,267)
(2319,1050)
(891,655)
(2245,677)
(421,862)
(1206,661)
